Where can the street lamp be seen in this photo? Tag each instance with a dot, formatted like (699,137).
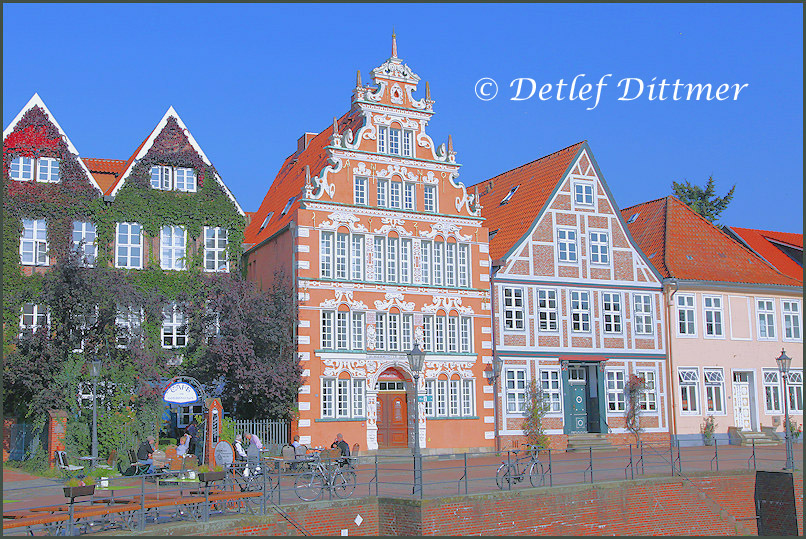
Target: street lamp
(95,372)
(784,361)
(498,364)
(416,358)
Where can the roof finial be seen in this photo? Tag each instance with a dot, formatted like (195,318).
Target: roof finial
(394,43)
(427,91)
(358,79)
(450,143)
(335,126)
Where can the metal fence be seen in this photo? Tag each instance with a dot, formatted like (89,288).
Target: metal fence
(268,430)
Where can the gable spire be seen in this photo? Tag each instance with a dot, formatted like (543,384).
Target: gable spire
(358,79)
(394,43)
(427,91)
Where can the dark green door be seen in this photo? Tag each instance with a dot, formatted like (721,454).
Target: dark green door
(579,413)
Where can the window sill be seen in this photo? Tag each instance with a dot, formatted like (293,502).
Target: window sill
(338,419)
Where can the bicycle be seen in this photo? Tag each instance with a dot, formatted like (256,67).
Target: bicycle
(513,472)
(310,484)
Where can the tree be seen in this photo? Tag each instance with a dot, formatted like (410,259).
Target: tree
(636,387)
(703,201)
(535,408)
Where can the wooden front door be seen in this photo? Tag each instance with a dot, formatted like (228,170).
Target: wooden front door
(578,414)
(741,401)
(392,420)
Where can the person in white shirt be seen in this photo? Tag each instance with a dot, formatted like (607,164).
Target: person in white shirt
(240,454)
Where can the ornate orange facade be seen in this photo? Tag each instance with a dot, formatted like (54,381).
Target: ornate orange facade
(384,249)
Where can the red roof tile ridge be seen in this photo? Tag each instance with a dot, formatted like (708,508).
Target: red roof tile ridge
(524,165)
(644,203)
(774,235)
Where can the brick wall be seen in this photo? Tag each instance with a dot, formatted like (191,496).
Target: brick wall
(666,506)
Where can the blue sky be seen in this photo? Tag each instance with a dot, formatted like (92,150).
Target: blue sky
(249,79)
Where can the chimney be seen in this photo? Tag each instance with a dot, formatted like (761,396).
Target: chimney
(304,140)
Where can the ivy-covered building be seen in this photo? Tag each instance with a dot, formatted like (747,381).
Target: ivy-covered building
(162,219)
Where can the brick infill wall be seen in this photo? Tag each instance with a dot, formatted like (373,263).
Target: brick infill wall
(663,506)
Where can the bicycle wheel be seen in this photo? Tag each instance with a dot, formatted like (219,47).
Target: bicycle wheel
(309,485)
(536,474)
(344,484)
(504,477)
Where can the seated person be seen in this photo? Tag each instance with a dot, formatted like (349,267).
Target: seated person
(343,447)
(252,461)
(298,449)
(240,453)
(145,453)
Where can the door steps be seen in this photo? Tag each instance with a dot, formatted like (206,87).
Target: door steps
(746,438)
(592,441)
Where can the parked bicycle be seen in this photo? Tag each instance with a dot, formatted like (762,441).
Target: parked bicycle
(511,472)
(325,475)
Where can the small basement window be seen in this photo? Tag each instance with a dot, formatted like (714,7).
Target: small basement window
(509,195)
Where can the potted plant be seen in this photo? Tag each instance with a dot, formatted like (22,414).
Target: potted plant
(101,477)
(795,430)
(707,428)
(207,474)
(75,487)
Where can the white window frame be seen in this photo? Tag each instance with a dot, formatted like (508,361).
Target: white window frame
(643,317)
(22,169)
(393,331)
(36,245)
(515,383)
(425,262)
(599,247)
(172,255)
(46,169)
(166,178)
(466,335)
(173,322)
(514,312)
(688,381)
(450,264)
(327,247)
(406,332)
(791,321)
(188,181)
(468,401)
(430,198)
(548,314)
(612,317)
(794,391)
(430,390)
(130,320)
(410,196)
(765,319)
(380,331)
(454,395)
(580,311)
(567,248)
(464,266)
(328,400)
(453,334)
(342,257)
(382,191)
(327,331)
(357,257)
(396,194)
(442,398)
(84,234)
(551,383)
(586,190)
(129,246)
(773,391)
(38,314)
(343,330)
(357,330)
(213,251)
(713,317)
(358,395)
(392,274)
(438,266)
(686,315)
(615,383)
(714,379)
(405,261)
(360,184)
(378,258)
(428,333)
(440,333)
(648,403)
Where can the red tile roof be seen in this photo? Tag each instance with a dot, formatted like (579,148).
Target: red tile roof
(687,246)
(765,243)
(105,171)
(290,181)
(535,182)
(126,165)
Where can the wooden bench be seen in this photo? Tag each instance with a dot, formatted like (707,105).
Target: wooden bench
(35,520)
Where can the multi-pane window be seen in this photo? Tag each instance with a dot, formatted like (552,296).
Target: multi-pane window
(174,326)
(442,398)
(713,316)
(547,310)
(450,264)
(357,257)
(84,242)
(714,391)
(395,189)
(22,168)
(439,338)
(430,391)
(383,193)
(343,398)
(616,399)
(406,332)
(464,265)
(430,198)
(453,401)
(467,398)
(428,333)
(611,309)
(172,247)
(128,321)
(327,329)
(358,331)
(341,255)
(794,391)
(648,401)
(438,267)
(328,397)
(33,316)
(380,331)
(765,312)
(583,194)
(34,243)
(326,255)
(378,258)
(580,311)
(215,249)
(382,143)
(360,190)
(129,246)
(689,380)
(452,398)
(466,335)
(685,315)
(358,397)
(405,261)
(642,313)
(395,141)
(515,381)
(409,196)
(425,262)
(550,383)
(566,245)
(600,248)
(408,143)
(513,308)
(342,330)
(791,312)
(453,334)
(772,391)
(391,259)
(173,178)
(393,332)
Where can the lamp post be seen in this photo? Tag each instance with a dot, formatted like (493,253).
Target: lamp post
(95,372)
(784,361)
(416,358)
(498,363)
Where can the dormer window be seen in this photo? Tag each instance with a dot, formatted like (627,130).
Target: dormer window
(23,169)
(173,179)
(287,206)
(396,141)
(509,195)
(633,218)
(266,221)
(583,194)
